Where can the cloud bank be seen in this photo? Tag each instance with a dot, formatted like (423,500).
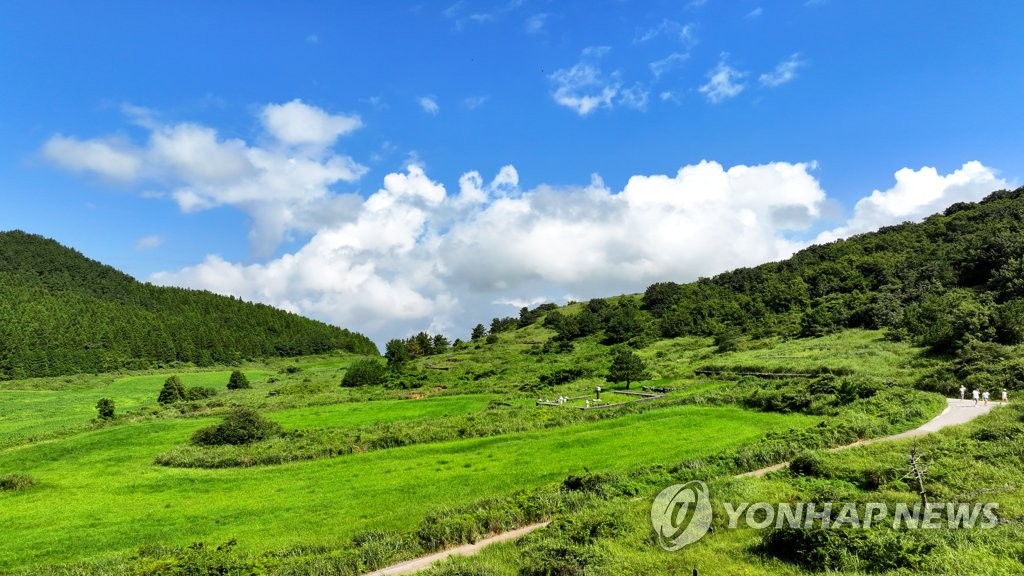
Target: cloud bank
(415,255)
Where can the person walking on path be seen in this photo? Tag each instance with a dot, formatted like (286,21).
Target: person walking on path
(976,395)
(963,390)
(1005,399)
(984,396)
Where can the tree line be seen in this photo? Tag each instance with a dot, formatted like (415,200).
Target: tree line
(62,313)
(948,283)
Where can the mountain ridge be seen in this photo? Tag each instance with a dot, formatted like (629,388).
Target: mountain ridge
(63,313)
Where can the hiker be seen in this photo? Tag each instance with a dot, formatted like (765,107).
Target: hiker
(963,390)
(976,395)
(1005,399)
(985,397)
(588,403)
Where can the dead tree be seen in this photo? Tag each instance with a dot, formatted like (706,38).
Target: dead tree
(917,472)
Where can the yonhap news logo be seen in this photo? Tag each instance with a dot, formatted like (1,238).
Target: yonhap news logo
(681,515)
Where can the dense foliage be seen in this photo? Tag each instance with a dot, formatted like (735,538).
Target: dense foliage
(174,391)
(238,381)
(368,372)
(62,313)
(947,283)
(15,482)
(627,367)
(241,426)
(105,409)
(944,283)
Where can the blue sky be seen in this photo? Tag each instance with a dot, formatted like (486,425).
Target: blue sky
(391,166)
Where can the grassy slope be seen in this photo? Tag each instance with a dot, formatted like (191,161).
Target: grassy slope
(964,466)
(24,413)
(113,499)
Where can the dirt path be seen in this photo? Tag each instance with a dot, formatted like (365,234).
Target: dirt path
(957,412)
(424,562)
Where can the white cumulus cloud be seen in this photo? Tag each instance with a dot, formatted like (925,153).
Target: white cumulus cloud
(413,256)
(107,158)
(917,194)
(298,123)
(284,186)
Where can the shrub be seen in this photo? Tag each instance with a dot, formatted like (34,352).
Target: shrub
(238,381)
(832,549)
(198,393)
(810,463)
(563,376)
(15,482)
(241,426)
(727,340)
(197,559)
(366,372)
(378,548)
(105,409)
(173,391)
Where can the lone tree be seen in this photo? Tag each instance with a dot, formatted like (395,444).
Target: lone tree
(367,372)
(478,332)
(627,367)
(238,381)
(105,409)
(397,353)
(173,391)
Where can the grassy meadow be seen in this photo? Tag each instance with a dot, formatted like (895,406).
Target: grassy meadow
(98,497)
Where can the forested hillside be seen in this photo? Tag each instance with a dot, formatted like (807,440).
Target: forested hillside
(63,313)
(953,283)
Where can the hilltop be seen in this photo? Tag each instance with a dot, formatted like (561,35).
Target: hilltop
(62,313)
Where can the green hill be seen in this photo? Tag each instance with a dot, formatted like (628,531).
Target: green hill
(953,284)
(62,313)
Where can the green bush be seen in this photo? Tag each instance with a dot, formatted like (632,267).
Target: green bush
(877,550)
(105,409)
(810,463)
(238,381)
(195,393)
(241,426)
(198,559)
(15,482)
(366,372)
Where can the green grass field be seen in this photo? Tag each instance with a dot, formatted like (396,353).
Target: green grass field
(98,493)
(112,499)
(24,413)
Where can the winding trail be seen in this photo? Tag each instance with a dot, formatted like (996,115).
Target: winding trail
(957,412)
(424,562)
